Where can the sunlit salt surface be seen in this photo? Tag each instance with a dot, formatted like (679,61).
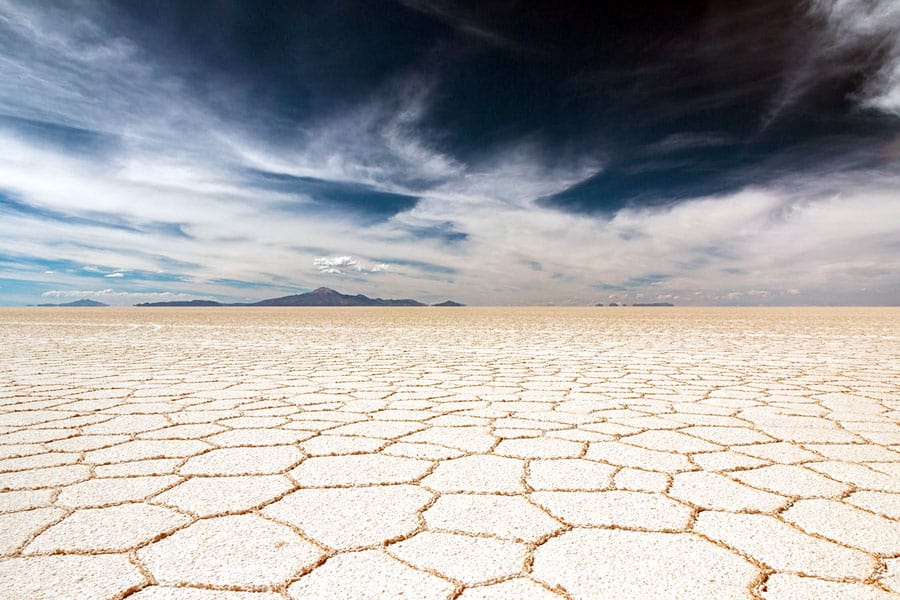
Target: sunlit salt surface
(257,454)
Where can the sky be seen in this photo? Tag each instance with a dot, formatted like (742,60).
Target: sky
(498,152)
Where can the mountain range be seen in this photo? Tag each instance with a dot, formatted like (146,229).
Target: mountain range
(322,296)
(77,303)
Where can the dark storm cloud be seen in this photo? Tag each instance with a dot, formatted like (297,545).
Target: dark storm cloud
(674,175)
(463,18)
(678,100)
(290,62)
(314,195)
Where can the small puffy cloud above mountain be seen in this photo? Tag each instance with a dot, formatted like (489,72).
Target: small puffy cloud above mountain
(338,265)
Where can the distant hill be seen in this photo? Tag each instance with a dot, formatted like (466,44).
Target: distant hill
(320,297)
(82,302)
(655,304)
(174,303)
(329,297)
(448,303)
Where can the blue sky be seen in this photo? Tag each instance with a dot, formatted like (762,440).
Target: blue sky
(489,152)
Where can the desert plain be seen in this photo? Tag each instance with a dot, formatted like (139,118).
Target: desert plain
(470,453)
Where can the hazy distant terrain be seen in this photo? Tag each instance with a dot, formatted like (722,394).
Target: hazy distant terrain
(84,302)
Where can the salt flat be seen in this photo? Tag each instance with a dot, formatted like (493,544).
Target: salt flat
(466,453)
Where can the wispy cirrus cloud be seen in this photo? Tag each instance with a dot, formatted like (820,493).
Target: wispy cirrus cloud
(864,33)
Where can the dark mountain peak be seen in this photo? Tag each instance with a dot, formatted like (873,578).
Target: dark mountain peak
(448,303)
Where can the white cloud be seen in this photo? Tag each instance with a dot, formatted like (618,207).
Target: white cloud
(842,38)
(871,24)
(374,143)
(338,265)
(116,274)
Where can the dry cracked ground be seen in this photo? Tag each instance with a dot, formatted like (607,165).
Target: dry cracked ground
(263,454)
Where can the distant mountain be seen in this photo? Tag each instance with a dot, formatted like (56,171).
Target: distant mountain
(174,303)
(82,302)
(328,297)
(655,304)
(449,303)
(320,297)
